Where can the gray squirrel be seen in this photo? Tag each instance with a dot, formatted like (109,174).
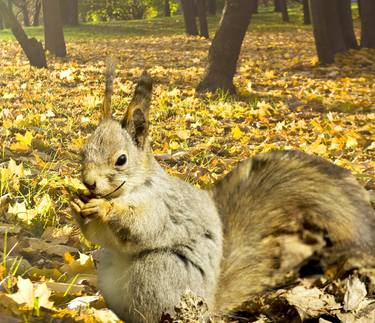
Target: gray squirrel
(161,236)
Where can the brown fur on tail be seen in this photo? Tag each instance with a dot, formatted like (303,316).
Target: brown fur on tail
(264,195)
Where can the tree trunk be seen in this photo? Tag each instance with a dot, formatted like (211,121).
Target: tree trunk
(346,21)
(368,23)
(38,6)
(254,6)
(212,7)
(328,35)
(25,13)
(202,16)
(359,7)
(226,46)
(277,4)
(284,10)
(53,28)
(167,8)
(306,12)
(69,12)
(1,22)
(189,17)
(31,47)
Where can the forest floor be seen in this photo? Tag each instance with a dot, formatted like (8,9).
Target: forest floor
(285,101)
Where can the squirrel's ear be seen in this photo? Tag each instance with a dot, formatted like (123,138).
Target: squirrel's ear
(135,120)
(109,77)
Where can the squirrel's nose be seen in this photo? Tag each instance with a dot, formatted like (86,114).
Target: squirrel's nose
(90,186)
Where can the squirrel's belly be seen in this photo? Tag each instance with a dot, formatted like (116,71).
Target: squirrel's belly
(113,281)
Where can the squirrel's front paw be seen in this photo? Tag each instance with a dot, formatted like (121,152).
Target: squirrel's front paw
(96,208)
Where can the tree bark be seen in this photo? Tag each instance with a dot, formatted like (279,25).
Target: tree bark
(202,16)
(368,23)
(1,22)
(212,7)
(254,6)
(346,21)
(38,6)
(31,47)
(69,12)
(226,46)
(306,13)
(53,28)
(277,5)
(284,10)
(167,8)
(189,17)
(25,13)
(327,28)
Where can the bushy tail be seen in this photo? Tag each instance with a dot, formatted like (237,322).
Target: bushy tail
(269,192)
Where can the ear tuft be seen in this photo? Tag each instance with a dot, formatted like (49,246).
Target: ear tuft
(109,78)
(135,120)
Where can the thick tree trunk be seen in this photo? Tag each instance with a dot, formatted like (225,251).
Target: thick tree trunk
(202,16)
(53,28)
(226,46)
(69,12)
(32,48)
(38,6)
(306,12)
(284,10)
(167,8)
(368,23)
(25,13)
(329,38)
(277,5)
(346,20)
(212,7)
(189,17)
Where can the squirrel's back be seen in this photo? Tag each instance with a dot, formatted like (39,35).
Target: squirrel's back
(264,195)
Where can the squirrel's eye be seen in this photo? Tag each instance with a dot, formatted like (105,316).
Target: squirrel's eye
(121,160)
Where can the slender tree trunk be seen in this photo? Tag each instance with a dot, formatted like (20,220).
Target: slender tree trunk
(306,12)
(346,21)
(38,6)
(1,22)
(328,35)
(277,5)
(284,10)
(359,7)
(69,12)
(189,17)
(167,8)
(226,46)
(202,16)
(368,23)
(212,7)
(25,13)
(31,47)
(254,6)
(10,6)
(53,28)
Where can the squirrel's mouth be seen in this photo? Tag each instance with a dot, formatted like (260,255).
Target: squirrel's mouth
(114,191)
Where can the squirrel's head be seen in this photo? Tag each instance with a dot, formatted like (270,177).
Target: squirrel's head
(117,157)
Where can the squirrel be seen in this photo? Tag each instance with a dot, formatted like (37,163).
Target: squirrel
(161,236)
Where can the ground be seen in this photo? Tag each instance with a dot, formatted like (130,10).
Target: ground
(285,100)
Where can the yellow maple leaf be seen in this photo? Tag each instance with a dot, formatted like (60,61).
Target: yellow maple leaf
(23,142)
(237,133)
